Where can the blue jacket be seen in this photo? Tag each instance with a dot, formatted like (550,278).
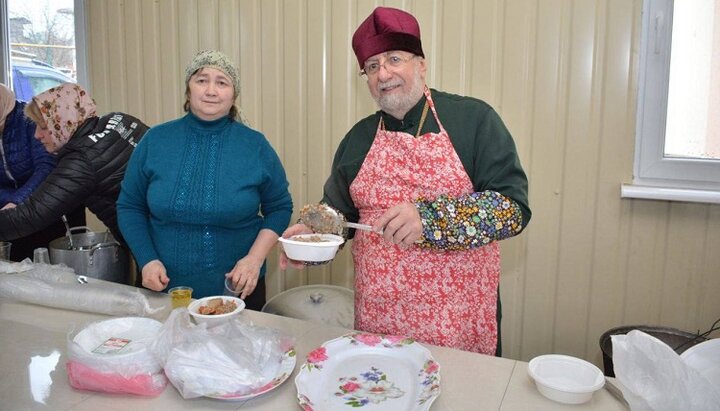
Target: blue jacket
(24,162)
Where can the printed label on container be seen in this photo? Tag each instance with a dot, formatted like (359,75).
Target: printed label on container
(112,345)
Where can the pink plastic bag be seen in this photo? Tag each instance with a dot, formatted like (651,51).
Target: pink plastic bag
(86,378)
(111,356)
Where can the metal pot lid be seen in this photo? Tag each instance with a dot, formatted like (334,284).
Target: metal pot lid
(325,304)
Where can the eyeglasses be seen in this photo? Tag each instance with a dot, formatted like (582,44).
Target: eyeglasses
(394,61)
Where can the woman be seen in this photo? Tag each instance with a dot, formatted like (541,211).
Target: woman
(205,197)
(92,152)
(25,164)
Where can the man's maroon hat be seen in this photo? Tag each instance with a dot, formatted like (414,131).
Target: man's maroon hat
(384,30)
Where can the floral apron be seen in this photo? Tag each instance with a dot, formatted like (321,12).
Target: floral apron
(446,298)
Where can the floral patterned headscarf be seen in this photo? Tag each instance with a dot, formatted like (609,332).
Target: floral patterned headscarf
(64,108)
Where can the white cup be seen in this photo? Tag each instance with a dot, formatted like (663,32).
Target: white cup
(41,256)
(228,287)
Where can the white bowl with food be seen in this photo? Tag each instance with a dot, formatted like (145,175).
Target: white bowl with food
(565,379)
(312,248)
(215,310)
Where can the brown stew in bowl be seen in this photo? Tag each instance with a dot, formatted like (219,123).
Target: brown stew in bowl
(310,239)
(217,306)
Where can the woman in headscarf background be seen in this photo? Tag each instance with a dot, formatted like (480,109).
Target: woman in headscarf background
(205,197)
(24,164)
(92,152)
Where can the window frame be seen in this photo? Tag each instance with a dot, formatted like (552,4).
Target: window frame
(656,176)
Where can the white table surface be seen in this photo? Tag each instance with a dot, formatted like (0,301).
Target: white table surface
(33,356)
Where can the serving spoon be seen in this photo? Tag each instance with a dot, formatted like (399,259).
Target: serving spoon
(321,218)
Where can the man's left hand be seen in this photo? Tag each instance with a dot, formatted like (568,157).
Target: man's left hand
(400,225)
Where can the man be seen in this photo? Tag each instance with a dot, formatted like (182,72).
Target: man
(439,176)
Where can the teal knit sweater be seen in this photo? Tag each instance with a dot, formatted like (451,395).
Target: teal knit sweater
(195,195)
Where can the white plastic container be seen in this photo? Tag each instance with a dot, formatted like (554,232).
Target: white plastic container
(137,331)
(211,319)
(312,252)
(565,379)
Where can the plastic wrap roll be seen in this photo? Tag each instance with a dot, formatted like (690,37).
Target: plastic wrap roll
(102,298)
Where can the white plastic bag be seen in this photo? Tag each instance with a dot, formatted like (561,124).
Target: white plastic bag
(229,359)
(654,377)
(112,356)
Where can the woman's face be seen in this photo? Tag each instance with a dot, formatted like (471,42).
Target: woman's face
(211,94)
(42,134)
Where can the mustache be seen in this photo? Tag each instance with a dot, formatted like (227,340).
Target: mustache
(388,84)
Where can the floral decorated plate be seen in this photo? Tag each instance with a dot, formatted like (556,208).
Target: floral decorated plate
(286,368)
(380,372)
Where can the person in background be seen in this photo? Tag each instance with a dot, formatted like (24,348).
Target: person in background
(205,197)
(438,177)
(92,152)
(24,164)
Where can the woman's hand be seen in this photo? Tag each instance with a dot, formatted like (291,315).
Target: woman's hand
(244,276)
(154,276)
(8,206)
(284,261)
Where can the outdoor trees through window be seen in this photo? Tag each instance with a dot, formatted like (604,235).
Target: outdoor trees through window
(41,46)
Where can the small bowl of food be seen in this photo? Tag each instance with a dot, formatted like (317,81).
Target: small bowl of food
(565,379)
(215,310)
(312,248)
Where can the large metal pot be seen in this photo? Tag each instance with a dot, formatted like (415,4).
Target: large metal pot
(96,255)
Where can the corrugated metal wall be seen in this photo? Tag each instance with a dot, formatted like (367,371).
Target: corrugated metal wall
(561,73)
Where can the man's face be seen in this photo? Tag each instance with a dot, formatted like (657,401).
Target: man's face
(398,82)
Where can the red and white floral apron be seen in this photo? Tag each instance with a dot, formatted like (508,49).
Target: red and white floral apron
(446,298)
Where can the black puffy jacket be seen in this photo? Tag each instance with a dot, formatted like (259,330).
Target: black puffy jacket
(90,167)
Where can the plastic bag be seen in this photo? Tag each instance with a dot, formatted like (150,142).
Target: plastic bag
(48,272)
(234,358)
(11,267)
(654,377)
(112,356)
(59,290)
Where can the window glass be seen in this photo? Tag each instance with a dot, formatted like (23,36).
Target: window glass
(692,129)
(42,44)
(40,84)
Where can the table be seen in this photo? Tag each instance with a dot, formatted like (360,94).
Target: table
(33,356)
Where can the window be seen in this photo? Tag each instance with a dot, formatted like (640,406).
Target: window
(677,153)
(41,44)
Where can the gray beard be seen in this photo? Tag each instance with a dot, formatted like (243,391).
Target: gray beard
(397,105)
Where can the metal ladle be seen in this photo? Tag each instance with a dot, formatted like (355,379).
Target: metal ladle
(68,233)
(321,218)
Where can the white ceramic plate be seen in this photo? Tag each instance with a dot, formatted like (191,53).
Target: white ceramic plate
(384,373)
(286,368)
